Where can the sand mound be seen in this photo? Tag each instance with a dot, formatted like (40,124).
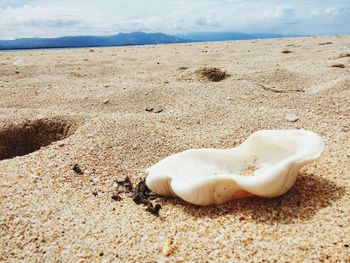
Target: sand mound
(281,81)
(211,74)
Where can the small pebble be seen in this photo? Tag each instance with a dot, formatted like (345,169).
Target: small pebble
(345,129)
(61,144)
(292,118)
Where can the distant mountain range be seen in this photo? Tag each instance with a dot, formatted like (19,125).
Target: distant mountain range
(126,39)
(224,36)
(121,39)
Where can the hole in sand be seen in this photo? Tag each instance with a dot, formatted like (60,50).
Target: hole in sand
(30,135)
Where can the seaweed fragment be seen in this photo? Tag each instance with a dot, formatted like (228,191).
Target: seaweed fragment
(116,197)
(142,194)
(154,210)
(126,183)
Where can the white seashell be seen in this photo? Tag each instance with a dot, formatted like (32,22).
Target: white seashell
(203,177)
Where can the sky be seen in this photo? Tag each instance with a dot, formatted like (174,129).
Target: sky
(39,18)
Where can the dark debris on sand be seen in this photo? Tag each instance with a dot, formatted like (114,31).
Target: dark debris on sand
(338,65)
(126,183)
(140,194)
(76,168)
(325,43)
(116,197)
(154,111)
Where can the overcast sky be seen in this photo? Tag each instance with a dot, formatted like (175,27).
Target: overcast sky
(39,18)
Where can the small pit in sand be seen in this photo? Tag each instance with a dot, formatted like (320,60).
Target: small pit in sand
(211,74)
(29,136)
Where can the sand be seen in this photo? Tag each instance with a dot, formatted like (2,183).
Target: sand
(116,111)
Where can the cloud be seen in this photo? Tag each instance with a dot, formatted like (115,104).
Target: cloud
(39,18)
(54,23)
(48,21)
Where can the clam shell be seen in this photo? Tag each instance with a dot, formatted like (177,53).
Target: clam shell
(265,165)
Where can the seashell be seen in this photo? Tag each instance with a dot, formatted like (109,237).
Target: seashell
(265,165)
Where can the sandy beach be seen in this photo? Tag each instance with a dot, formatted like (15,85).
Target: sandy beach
(113,112)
